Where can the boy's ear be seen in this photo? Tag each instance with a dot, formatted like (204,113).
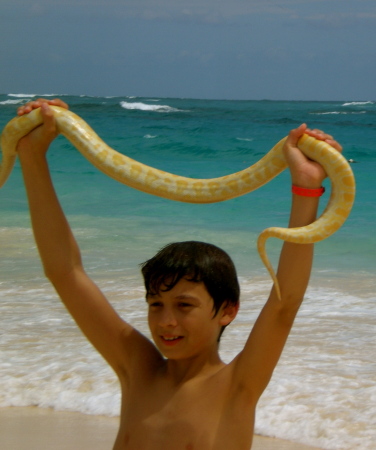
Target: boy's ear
(228,313)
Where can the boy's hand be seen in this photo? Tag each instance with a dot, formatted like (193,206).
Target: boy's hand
(305,172)
(34,104)
(39,139)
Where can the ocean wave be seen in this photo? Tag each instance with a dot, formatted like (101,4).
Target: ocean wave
(338,112)
(22,95)
(145,107)
(319,379)
(11,102)
(357,103)
(35,95)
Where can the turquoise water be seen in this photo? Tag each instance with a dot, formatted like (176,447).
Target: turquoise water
(118,228)
(207,139)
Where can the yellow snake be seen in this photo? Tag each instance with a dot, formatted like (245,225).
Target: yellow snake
(174,187)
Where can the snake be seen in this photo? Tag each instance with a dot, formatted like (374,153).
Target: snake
(175,187)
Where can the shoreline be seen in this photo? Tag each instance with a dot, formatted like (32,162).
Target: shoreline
(35,428)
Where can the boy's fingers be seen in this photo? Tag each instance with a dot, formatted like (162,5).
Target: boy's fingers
(295,135)
(28,107)
(322,136)
(54,101)
(321,133)
(58,102)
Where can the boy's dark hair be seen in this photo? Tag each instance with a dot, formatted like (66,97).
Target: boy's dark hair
(195,261)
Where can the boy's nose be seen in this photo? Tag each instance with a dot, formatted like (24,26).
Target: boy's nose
(167,318)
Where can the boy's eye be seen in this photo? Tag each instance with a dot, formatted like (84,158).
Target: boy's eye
(185,305)
(155,304)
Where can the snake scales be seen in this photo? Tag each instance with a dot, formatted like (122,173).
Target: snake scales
(174,187)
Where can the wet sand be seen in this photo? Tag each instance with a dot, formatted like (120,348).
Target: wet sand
(36,428)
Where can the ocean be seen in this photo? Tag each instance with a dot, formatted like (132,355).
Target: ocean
(323,392)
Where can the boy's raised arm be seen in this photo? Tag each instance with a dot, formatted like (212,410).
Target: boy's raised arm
(254,366)
(60,254)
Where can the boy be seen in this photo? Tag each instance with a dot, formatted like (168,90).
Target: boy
(176,394)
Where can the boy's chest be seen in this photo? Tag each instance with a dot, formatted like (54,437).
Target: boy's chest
(159,407)
(189,417)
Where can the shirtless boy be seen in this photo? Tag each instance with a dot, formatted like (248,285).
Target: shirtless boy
(177,394)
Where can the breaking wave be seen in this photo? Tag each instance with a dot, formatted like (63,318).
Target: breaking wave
(357,103)
(145,107)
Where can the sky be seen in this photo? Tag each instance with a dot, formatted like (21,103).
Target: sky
(210,49)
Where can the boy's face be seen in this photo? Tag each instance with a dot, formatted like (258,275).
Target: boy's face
(181,320)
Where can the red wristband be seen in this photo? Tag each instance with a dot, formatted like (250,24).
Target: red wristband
(304,192)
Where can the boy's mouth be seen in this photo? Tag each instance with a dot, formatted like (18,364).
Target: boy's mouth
(171,340)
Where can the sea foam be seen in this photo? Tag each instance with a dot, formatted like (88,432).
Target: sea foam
(22,95)
(11,102)
(145,107)
(357,103)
